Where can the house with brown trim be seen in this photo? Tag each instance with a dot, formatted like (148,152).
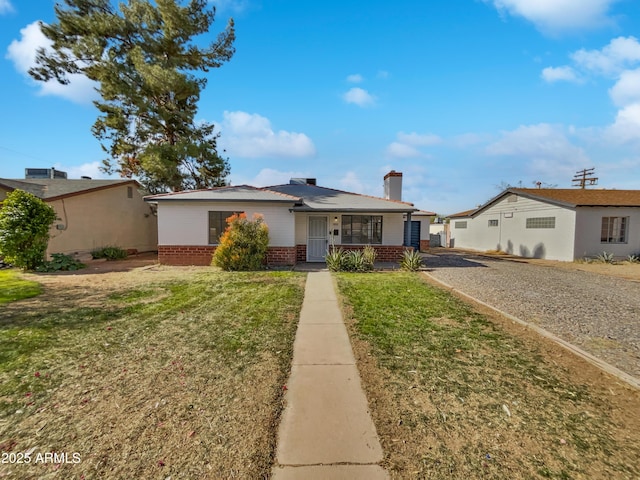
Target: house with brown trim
(92,213)
(554,223)
(304,220)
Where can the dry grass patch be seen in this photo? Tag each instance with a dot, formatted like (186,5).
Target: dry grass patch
(168,373)
(457,394)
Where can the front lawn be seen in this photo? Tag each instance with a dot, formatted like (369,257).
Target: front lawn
(457,394)
(13,287)
(177,376)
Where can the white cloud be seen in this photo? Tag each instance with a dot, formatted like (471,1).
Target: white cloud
(627,89)
(554,16)
(626,127)
(408,143)
(556,74)
(91,169)
(544,147)
(23,55)
(419,140)
(236,6)
(355,78)
(401,150)
(351,183)
(359,96)
(5,7)
(251,136)
(267,177)
(620,54)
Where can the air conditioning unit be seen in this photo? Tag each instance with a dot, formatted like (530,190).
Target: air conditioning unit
(43,173)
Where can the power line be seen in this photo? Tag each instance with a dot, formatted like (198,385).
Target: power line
(584,177)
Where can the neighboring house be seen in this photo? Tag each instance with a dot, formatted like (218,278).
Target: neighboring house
(304,220)
(92,213)
(556,224)
(439,233)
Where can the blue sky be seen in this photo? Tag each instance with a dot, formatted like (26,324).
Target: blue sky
(459,95)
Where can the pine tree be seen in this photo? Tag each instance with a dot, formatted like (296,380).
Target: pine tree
(143,56)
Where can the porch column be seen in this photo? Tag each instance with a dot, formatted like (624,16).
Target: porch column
(407,231)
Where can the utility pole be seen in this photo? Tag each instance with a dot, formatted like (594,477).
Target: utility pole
(584,177)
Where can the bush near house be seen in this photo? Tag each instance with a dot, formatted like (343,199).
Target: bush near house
(110,253)
(243,245)
(24,229)
(339,260)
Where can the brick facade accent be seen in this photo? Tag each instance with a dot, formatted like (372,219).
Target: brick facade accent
(424,245)
(281,256)
(201,255)
(185,254)
(301,253)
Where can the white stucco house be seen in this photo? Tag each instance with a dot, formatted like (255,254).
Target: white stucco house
(556,224)
(304,219)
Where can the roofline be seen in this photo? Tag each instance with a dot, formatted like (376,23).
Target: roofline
(169,196)
(348,193)
(74,194)
(308,209)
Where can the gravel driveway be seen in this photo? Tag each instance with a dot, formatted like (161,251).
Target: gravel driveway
(597,313)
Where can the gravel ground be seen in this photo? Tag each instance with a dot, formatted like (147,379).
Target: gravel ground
(597,313)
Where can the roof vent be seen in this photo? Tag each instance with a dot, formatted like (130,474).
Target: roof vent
(302,181)
(44,173)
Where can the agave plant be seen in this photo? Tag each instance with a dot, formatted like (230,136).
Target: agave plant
(411,260)
(605,257)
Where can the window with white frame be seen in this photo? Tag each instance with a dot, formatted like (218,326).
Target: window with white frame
(614,230)
(461,224)
(541,222)
(217,225)
(362,229)
(493,223)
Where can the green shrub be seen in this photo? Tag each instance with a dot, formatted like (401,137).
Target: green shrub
(335,259)
(243,245)
(411,260)
(60,262)
(24,229)
(339,260)
(110,253)
(633,258)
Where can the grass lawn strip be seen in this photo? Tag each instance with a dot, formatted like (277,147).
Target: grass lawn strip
(455,395)
(177,378)
(13,287)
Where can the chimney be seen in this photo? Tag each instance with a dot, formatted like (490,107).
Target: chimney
(393,185)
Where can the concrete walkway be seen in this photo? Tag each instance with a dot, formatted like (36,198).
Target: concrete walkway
(326,430)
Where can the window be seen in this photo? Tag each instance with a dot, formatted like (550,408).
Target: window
(460,224)
(541,222)
(493,223)
(217,225)
(362,229)
(614,229)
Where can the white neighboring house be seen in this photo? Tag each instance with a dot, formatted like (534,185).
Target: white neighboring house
(556,224)
(303,219)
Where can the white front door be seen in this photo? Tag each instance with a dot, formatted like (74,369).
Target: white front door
(317,241)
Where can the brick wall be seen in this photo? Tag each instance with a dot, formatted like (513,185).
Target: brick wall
(281,256)
(424,245)
(185,254)
(201,255)
(384,253)
(301,253)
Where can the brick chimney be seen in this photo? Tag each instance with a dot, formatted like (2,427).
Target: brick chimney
(393,185)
